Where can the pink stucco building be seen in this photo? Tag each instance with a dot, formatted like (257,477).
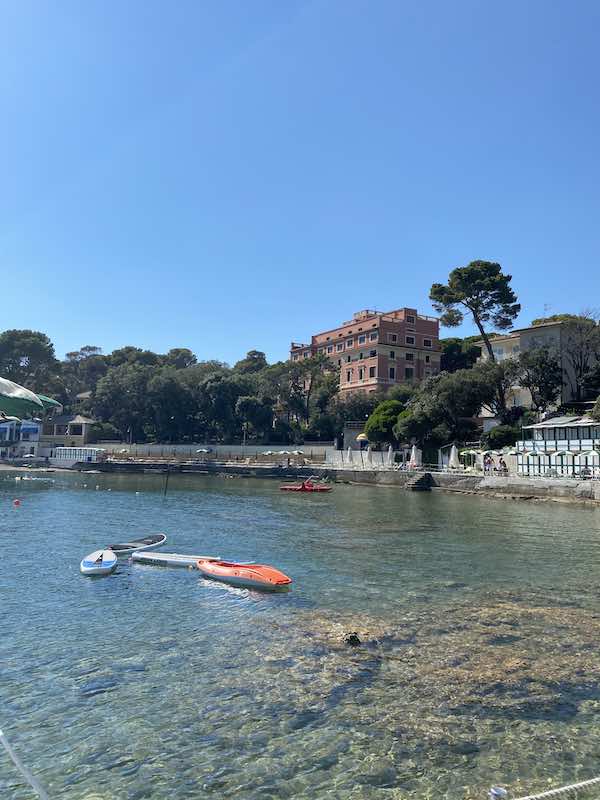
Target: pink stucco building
(377,350)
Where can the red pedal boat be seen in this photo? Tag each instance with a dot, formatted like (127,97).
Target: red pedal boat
(306,486)
(246,576)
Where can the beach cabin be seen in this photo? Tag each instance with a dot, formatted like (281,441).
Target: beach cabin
(560,446)
(67,457)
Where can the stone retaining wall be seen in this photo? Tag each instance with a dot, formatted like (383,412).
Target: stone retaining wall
(565,489)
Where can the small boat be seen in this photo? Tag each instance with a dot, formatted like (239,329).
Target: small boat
(100,562)
(306,486)
(146,543)
(170,559)
(246,576)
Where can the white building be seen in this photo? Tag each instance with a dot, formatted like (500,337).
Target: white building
(560,446)
(18,439)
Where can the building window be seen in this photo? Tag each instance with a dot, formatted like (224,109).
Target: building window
(393,337)
(372,353)
(410,319)
(330,349)
(328,338)
(349,376)
(427,359)
(306,353)
(373,336)
(410,340)
(75,430)
(372,372)
(60,430)
(339,346)
(295,357)
(350,343)
(339,362)
(362,339)
(410,356)
(392,354)
(361,374)
(409,373)
(320,350)
(361,355)
(426,342)
(392,373)
(348,359)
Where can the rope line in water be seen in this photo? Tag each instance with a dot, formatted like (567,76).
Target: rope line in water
(572,788)
(31,780)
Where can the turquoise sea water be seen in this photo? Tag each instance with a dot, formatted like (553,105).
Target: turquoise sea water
(479,619)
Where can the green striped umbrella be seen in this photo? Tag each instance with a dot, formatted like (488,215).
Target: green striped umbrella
(18,400)
(49,402)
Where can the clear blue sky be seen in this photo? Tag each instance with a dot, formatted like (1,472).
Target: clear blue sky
(235,174)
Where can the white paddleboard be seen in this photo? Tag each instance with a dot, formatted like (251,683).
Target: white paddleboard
(100,562)
(169,559)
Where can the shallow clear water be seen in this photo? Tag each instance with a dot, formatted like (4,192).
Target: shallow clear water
(479,619)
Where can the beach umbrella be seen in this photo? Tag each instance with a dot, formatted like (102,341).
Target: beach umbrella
(5,418)
(18,400)
(49,402)
(390,455)
(453,461)
(349,455)
(415,457)
(362,437)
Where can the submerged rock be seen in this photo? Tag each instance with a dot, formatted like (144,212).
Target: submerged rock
(352,638)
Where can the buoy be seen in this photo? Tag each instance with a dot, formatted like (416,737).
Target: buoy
(16,503)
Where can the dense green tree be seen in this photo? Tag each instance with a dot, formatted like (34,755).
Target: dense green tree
(501,436)
(444,408)
(121,398)
(305,377)
(27,357)
(380,425)
(82,369)
(458,354)
(256,412)
(554,318)
(254,361)
(171,404)
(481,290)
(540,372)
(180,358)
(500,378)
(133,355)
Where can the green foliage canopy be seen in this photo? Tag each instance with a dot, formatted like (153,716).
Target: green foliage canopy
(482,290)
